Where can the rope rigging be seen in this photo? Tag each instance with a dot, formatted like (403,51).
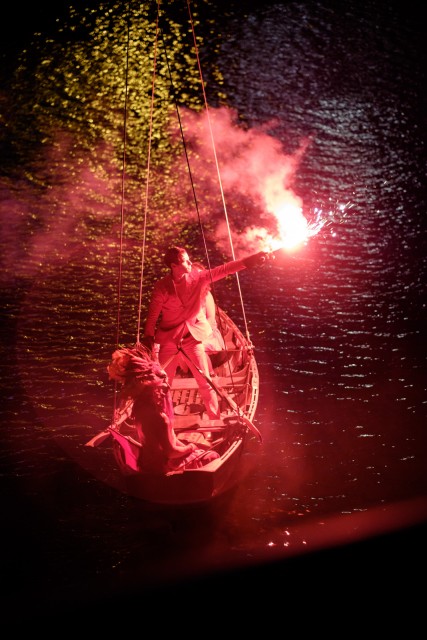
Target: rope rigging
(166,421)
(159,33)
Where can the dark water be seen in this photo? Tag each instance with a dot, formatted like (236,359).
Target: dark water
(339,327)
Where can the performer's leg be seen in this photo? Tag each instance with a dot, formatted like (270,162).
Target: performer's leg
(197,355)
(169,357)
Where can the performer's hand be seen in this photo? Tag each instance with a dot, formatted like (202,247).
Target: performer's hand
(257,260)
(148,341)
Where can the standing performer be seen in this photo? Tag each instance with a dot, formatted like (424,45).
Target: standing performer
(176,316)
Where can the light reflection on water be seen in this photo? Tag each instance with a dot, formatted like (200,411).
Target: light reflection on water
(338,336)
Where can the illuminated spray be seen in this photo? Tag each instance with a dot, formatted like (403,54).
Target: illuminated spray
(294,230)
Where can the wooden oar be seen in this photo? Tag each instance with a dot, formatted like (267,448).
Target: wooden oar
(100,437)
(224,395)
(198,429)
(103,435)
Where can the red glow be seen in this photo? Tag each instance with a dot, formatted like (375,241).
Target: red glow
(253,163)
(293,229)
(292,226)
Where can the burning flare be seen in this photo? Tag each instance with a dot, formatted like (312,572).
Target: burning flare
(293,228)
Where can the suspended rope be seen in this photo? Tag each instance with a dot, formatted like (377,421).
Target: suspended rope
(215,157)
(150,137)
(172,89)
(196,49)
(122,207)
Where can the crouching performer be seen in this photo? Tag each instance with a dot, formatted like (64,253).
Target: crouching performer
(146,391)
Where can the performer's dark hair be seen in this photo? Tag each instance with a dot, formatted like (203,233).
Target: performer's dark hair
(172,256)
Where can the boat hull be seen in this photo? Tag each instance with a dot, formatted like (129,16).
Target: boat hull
(191,486)
(236,376)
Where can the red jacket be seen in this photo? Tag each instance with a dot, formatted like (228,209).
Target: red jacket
(177,308)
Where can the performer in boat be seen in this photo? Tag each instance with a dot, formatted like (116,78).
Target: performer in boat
(145,384)
(176,316)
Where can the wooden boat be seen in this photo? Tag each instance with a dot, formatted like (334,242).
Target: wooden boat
(235,378)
